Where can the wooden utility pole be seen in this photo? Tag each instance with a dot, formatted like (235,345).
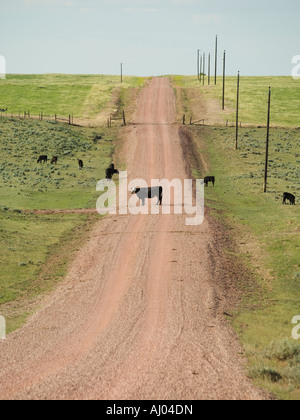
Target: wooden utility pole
(121,72)
(216,59)
(203,69)
(224,70)
(208,69)
(200,78)
(267,143)
(237,112)
(198,64)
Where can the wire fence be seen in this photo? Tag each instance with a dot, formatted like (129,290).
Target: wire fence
(28,115)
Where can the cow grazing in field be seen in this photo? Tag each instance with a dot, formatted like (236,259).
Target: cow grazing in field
(96,138)
(208,179)
(80,163)
(111,171)
(289,197)
(144,193)
(54,160)
(42,158)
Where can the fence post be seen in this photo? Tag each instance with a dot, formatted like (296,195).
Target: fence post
(124,119)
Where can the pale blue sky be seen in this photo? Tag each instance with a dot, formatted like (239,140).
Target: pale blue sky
(151,37)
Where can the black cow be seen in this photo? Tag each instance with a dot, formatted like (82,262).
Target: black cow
(54,160)
(144,193)
(80,163)
(42,158)
(208,179)
(109,172)
(290,197)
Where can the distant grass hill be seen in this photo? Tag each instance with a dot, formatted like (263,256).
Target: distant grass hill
(253,99)
(83,96)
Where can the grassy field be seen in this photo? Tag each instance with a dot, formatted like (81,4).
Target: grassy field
(34,254)
(27,185)
(266,234)
(84,96)
(29,240)
(253,98)
(35,248)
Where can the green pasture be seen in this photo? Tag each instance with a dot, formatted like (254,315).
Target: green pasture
(35,249)
(269,232)
(26,184)
(30,240)
(266,231)
(83,96)
(34,253)
(253,98)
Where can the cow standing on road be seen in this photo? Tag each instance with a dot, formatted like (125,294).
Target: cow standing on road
(151,192)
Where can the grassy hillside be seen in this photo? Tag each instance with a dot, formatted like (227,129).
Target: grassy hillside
(253,99)
(268,237)
(27,185)
(30,241)
(34,253)
(84,96)
(265,232)
(35,249)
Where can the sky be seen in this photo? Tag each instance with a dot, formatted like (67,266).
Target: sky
(150,37)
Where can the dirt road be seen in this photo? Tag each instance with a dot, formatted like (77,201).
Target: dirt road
(140,313)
